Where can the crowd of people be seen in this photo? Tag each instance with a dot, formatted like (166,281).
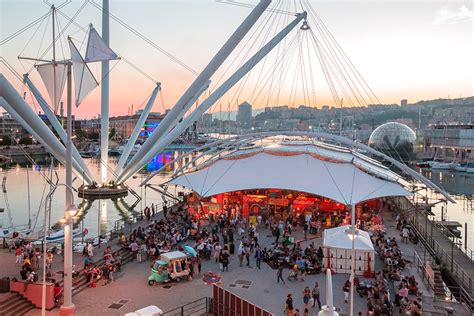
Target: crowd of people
(228,234)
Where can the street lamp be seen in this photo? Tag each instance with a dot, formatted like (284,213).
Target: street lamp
(72,210)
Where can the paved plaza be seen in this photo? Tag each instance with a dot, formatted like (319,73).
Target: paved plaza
(131,284)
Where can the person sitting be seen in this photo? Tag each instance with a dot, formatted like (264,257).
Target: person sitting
(58,293)
(24,273)
(394,275)
(402,293)
(412,286)
(88,273)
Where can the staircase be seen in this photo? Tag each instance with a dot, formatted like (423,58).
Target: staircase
(438,284)
(80,283)
(14,304)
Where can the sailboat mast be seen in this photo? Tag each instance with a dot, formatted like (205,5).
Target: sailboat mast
(104,108)
(55,106)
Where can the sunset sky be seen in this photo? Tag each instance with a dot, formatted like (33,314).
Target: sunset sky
(403,49)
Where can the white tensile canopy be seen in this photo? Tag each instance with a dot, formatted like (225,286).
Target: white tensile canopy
(340,181)
(340,238)
(337,244)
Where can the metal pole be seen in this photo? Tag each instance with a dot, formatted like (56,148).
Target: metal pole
(53,9)
(353,261)
(104,107)
(452,255)
(68,307)
(43,294)
(145,197)
(465,237)
(28,188)
(98,222)
(141,198)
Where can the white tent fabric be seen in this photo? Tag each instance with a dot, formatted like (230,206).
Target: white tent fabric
(84,81)
(97,49)
(342,182)
(337,244)
(54,78)
(340,238)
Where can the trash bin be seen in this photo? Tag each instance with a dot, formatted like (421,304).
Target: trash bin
(5,285)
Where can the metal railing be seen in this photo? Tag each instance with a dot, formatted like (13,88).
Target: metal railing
(123,225)
(443,255)
(194,308)
(403,203)
(425,234)
(453,294)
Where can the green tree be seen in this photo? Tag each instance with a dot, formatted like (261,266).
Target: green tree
(80,134)
(93,135)
(112,132)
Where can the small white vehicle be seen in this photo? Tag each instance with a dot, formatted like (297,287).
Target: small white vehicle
(176,261)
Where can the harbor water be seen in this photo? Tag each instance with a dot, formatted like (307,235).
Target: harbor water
(103,214)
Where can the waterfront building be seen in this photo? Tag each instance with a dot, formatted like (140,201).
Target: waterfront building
(125,124)
(244,115)
(205,122)
(453,142)
(9,127)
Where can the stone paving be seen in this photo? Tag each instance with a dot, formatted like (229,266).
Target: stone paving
(131,285)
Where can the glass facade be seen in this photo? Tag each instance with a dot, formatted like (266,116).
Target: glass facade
(392,136)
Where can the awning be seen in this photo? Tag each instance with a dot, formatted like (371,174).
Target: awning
(340,181)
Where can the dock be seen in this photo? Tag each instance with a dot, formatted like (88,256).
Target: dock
(449,224)
(459,261)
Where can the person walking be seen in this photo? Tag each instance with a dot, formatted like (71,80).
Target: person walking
(134,249)
(258,256)
(277,235)
(305,230)
(306,296)
(90,249)
(199,264)
(405,234)
(315,293)
(225,261)
(280,274)
(241,253)
(49,263)
(346,288)
(19,256)
(247,254)
(289,305)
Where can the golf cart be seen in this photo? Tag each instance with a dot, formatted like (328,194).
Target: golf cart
(169,268)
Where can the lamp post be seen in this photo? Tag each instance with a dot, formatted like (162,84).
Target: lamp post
(353,253)
(72,211)
(68,307)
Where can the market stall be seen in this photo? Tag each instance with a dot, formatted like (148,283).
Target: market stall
(337,247)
